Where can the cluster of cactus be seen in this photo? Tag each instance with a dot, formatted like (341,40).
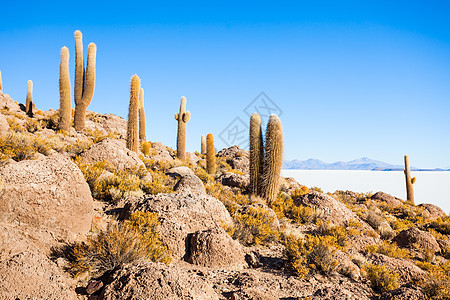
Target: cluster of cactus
(84,80)
(210,155)
(265,162)
(84,84)
(182,117)
(29,101)
(409,181)
(133,114)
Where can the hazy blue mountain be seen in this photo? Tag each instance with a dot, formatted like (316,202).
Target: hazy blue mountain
(363,163)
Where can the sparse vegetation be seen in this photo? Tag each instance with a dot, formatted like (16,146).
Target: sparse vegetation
(382,278)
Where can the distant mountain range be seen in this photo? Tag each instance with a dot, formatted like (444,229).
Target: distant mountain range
(363,163)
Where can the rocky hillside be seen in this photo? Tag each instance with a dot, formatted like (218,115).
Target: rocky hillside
(83,217)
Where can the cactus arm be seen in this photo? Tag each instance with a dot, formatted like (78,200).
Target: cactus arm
(186,116)
(176,116)
(79,68)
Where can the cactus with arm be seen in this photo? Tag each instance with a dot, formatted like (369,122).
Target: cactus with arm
(182,117)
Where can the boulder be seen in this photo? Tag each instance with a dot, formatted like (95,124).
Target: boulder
(31,275)
(434,211)
(237,158)
(181,215)
(156,281)
(114,152)
(388,199)
(190,183)
(8,103)
(234,180)
(192,158)
(50,192)
(414,237)
(334,211)
(407,270)
(289,184)
(4,126)
(179,171)
(214,248)
(115,124)
(159,152)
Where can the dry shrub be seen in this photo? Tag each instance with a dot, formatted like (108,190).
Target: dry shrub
(311,253)
(389,249)
(231,200)
(382,278)
(285,207)
(436,285)
(254,227)
(21,146)
(131,241)
(146,147)
(442,225)
(338,232)
(374,218)
(97,135)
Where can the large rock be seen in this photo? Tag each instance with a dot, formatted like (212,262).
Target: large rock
(8,103)
(181,215)
(434,211)
(388,199)
(214,248)
(234,180)
(188,181)
(158,282)
(334,210)
(50,192)
(114,152)
(407,291)
(4,126)
(31,275)
(159,152)
(237,158)
(414,237)
(407,270)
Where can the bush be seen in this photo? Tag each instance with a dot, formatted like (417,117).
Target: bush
(21,146)
(389,249)
(254,227)
(311,253)
(285,207)
(442,225)
(338,232)
(131,241)
(231,200)
(381,278)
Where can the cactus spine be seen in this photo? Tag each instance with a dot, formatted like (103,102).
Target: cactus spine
(29,101)
(409,181)
(132,128)
(210,155)
(273,160)
(1,83)
(84,80)
(256,155)
(203,145)
(65,105)
(142,136)
(182,117)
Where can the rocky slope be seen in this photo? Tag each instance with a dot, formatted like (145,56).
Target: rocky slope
(66,195)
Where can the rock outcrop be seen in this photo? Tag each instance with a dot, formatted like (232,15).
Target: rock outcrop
(50,192)
(388,199)
(234,180)
(237,158)
(416,238)
(156,281)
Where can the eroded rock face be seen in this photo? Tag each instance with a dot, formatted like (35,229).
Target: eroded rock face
(214,248)
(31,275)
(114,152)
(390,200)
(158,152)
(414,237)
(156,281)
(50,192)
(181,215)
(237,158)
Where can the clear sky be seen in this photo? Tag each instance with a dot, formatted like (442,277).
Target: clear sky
(351,78)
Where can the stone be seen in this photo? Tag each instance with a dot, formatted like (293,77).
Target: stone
(237,158)
(414,237)
(234,180)
(388,199)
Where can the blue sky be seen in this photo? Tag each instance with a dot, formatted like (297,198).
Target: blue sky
(354,78)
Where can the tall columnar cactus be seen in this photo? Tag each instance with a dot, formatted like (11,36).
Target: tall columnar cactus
(29,101)
(203,145)
(210,155)
(132,128)
(273,159)
(256,155)
(142,136)
(409,181)
(1,83)
(65,105)
(84,80)
(182,117)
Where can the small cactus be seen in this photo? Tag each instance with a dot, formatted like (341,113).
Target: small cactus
(203,145)
(210,155)
(1,83)
(182,117)
(273,160)
(256,154)
(29,101)
(132,128)
(65,105)
(409,181)
(142,136)
(84,80)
